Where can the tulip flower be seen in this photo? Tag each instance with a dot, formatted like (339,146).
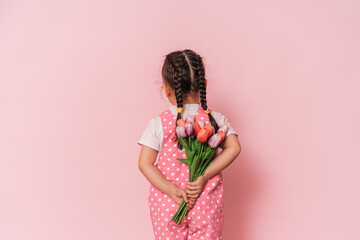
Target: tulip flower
(189,128)
(214,141)
(181,122)
(201,124)
(202,135)
(222,134)
(180,131)
(196,128)
(189,118)
(210,129)
(224,128)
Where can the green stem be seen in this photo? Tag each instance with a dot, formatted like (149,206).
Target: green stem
(182,216)
(180,213)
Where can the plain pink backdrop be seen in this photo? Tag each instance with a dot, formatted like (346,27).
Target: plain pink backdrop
(79,81)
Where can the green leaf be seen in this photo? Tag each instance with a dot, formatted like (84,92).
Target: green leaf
(189,154)
(184,160)
(209,152)
(207,162)
(188,140)
(193,144)
(194,166)
(183,142)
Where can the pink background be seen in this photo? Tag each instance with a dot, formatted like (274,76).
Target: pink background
(79,81)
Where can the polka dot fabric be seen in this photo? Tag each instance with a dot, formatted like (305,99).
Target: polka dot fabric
(205,219)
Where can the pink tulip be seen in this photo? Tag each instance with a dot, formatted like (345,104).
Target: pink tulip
(214,140)
(189,128)
(180,131)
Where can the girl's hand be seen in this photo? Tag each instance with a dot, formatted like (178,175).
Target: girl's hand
(193,189)
(191,203)
(178,194)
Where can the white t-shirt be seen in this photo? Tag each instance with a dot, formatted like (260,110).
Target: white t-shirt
(153,134)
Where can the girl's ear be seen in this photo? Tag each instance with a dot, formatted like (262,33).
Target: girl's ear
(168,91)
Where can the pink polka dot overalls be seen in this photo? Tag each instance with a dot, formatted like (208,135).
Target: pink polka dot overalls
(206,218)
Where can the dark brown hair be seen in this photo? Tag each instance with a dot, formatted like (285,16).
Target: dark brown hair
(184,73)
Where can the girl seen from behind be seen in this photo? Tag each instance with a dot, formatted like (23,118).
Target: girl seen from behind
(184,83)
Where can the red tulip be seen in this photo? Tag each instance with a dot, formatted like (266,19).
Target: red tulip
(202,135)
(201,124)
(197,128)
(181,122)
(224,127)
(209,128)
(222,134)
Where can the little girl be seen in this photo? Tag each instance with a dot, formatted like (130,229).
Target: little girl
(185,86)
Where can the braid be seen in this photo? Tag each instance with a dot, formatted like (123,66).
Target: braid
(201,75)
(177,86)
(202,86)
(178,76)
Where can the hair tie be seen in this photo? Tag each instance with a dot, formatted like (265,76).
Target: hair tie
(179,110)
(207,111)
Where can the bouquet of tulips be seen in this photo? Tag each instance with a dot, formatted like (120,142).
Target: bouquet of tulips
(200,143)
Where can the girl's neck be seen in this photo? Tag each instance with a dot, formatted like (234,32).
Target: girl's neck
(197,102)
(192,99)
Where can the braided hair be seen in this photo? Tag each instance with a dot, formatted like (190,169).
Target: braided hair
(184,73)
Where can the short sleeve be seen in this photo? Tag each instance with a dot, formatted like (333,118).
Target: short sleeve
(150,136)
(222,119)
